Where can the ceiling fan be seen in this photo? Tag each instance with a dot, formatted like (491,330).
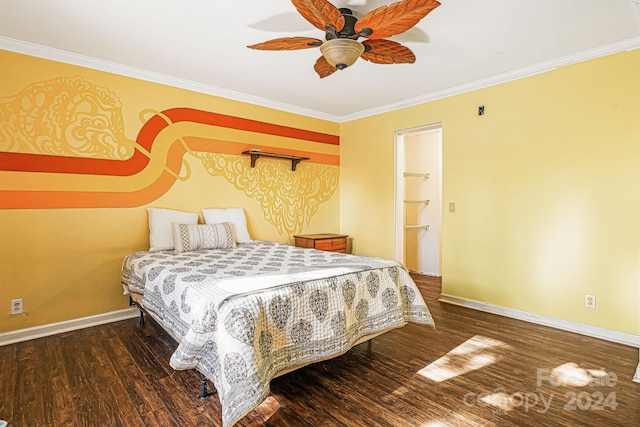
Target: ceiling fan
(342,31)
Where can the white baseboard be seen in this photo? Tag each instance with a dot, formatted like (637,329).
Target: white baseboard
(565,325)
(69,325)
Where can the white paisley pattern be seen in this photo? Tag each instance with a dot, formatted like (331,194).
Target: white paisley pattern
(244,315)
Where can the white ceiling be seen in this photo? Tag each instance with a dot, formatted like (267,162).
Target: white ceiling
(201,45)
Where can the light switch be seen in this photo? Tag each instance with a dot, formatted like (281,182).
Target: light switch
(452,207)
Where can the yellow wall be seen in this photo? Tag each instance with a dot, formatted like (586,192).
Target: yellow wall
(65,262)
(547,187)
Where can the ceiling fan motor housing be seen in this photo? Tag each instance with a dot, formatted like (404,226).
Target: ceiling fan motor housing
(348,31)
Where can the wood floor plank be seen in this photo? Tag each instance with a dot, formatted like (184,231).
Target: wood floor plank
(62,408)
(58,399)
(8,378)
(351,404)
(474,369)
(307,408)
(160,418)
(136,384)
(108,386)
(29,394)
(80,377)
(146,361)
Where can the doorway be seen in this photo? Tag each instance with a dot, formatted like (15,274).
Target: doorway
(418,166)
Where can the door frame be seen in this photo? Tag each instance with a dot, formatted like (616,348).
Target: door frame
(399,166)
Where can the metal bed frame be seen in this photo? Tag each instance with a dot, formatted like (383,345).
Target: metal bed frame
(204,393)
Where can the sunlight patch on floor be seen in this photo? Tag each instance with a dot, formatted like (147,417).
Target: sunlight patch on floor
(572,375)
(475,353)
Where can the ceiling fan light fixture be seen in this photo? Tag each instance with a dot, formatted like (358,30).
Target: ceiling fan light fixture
(341,53)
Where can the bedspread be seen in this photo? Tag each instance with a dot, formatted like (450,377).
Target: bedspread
(245,315)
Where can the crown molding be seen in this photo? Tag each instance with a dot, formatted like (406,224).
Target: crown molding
(635,8)
(59,55)
(521,73)
(66,57)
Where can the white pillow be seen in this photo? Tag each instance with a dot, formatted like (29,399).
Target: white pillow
(233,215)
(190,237)
(160,229)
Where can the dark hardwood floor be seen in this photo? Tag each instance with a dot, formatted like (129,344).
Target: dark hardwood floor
(476,369)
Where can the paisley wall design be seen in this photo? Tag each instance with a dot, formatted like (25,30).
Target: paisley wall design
(65,116)
(288,199)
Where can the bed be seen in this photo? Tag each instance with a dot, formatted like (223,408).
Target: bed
(243,315)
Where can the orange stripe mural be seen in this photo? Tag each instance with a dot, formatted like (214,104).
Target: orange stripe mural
(87,138)
(24,162)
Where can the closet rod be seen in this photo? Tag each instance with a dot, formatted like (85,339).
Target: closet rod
(426,202)
(416,227)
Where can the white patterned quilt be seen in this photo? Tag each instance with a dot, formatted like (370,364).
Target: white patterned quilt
(242,316)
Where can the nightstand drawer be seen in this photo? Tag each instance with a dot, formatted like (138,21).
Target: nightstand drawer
(324,242)
(331,244)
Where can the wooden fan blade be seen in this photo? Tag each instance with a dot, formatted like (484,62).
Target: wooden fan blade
(387,21)
(287,43)
(387,52)
(320,13)
(323,68)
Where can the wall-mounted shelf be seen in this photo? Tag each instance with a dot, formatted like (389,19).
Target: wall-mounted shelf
(420,175)
(421,202)
(255,154)
(416,227)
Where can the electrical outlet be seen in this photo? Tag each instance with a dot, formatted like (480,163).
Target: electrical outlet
(590,301)
(16,306)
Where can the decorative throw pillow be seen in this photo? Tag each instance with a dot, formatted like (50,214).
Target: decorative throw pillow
(160,231)
(233,215)
(190,237)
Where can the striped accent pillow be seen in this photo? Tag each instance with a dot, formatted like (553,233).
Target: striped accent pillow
(190,237)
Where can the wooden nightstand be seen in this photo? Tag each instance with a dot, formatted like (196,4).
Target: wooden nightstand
(325,242)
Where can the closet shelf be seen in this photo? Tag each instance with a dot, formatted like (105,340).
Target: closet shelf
(422,202)
(421,175)
(416,227)
(255,154)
